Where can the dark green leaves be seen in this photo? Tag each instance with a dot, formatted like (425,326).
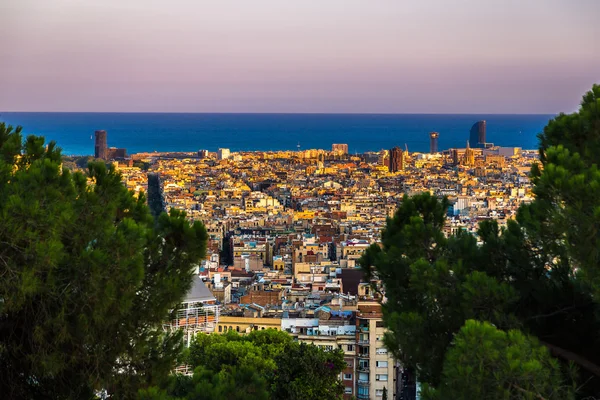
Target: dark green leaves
(86,277)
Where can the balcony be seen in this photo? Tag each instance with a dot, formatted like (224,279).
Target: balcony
(363,342)
(364,328)
(196,319)
(363,382)
(363,368)
(363,355)
(362,396)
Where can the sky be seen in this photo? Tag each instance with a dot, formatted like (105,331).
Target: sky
(346,56)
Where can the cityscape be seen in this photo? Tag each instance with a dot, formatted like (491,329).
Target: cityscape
(296,200)
(286,230)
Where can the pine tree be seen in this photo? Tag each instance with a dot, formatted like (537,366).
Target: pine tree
(536,280)
(87,277)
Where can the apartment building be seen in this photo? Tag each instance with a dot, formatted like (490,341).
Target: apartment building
(376,367)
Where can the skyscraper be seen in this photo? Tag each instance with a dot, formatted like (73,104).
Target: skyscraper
(477,137)
(396,159)
(100,148)
(433,142)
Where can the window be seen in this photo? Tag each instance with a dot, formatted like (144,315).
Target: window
(220,329)
(363,391)
(379,392)
(381,377)
(381,364)
(347,390)
(328,348)
(350,347)
(347,377)
(379,324)
(381,350)
(363,377)
(237,328)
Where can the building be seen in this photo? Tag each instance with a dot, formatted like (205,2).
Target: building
(433,142)
(263,297)
(197,312)
(469,159)
(223,154)
(396,159)
(477,137)
(221,289)
(202,154)
(339,148)
(376,367)
(100,146)
(247,324)
(330,330)
(114,153)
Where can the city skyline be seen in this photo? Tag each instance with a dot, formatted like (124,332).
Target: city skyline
(337,57)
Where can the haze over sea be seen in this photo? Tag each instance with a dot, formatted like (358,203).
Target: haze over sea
(146,132)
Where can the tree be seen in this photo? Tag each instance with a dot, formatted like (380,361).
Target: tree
(431,285)
(87,277)
(487,363)
(265,364)
(539,274)
(305,372)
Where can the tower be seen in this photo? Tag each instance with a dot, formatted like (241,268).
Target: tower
(433,142)
(477,136)
(100,147)
(396,159)
(469,156)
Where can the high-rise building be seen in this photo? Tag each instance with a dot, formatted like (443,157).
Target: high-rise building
(339,148)
(477,136)
(223,154)
(396,159)
(433,142)
(100,147)
(376,368)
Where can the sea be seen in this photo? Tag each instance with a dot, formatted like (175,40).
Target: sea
(171,132)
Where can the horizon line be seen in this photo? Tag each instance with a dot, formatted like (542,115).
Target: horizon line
(271,113)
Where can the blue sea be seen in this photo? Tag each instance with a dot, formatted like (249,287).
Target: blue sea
(145,132)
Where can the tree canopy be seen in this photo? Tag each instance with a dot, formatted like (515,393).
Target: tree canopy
(262,365)
(533,284)
(87,277)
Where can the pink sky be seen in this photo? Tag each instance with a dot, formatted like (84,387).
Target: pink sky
(460,56)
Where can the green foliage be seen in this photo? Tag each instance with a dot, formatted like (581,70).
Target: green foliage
(486,363)
(307,372)
(431,284)
(265,364)
(86,277)
(540,274)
